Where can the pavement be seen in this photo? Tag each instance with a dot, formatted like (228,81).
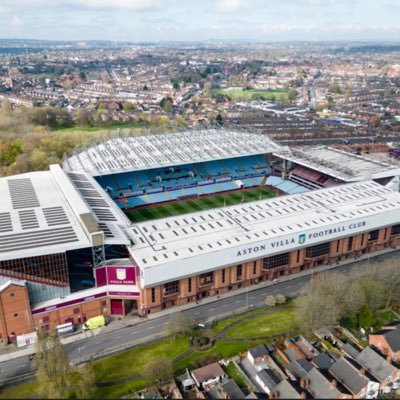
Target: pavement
(132,330)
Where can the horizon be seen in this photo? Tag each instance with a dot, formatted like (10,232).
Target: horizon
(171,20)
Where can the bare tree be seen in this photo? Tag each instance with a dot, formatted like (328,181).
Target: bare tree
(86,384)
(178,324)
(54,371)
(158,371)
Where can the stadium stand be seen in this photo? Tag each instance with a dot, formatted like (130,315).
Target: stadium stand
(196,179)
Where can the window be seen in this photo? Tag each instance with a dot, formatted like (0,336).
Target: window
(206,279)
(189,284)
(337,246)
(16,315)
(276,261)
(239,271)
(362,240)
(76,310)
(396,229)
(12,294)
(350,244)
(298,256)
(223,276)
(153,295)
(318,250)
(46,319)
(373,235)
(104,303)
(254,267)
(171,288)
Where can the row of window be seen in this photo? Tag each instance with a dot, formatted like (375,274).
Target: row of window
(278,260)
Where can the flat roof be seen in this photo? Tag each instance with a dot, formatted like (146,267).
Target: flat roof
(37,218)
(340,164)
(124,154)
(185,245)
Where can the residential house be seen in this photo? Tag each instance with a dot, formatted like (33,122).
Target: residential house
(208,375)
(382,370)
(257,354)
(285,390)
(228,389)
(354,380)
(267,379)
(299,368)
(319,387)
(387,341)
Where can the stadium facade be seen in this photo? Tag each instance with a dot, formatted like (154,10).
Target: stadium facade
(68,252)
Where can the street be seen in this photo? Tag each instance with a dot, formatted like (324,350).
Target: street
(150,329)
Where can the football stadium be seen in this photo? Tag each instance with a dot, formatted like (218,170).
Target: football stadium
(137,224)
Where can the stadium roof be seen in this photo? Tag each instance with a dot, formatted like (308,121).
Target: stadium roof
(340,164)
(137,153)
(43,213)
(190,244)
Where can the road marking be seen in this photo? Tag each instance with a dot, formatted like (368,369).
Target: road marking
(225,305)
(20,366)
(197,313)
(288,287)
(118,337)
(239,301)
(81,348)
(99,342)
(211,309)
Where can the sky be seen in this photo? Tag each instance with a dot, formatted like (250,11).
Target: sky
(193,20)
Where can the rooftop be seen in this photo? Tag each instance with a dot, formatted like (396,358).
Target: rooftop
(124,154)
(340,164)
(41,213)
(229,235)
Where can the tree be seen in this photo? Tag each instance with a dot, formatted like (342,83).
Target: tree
(178,324)
(158,371)
(82,75)
(86,383)
(167,104)
(292,94)
(270,301)
(219,120)
(84,117)
(366,317)
(38,160)
(54,372)
(175,85)
(127,106)
(6,108)
(280,299)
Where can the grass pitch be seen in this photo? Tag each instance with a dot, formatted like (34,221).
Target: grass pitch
(205,203)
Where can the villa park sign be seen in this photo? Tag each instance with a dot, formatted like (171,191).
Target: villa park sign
(302,238)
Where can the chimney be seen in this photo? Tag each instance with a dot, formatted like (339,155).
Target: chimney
(303,395)
(388,359)
(334,382)
(362,371)
(274,395)
(304,383)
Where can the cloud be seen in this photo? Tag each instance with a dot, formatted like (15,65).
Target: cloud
(91,4)
(16,23)
(228,6)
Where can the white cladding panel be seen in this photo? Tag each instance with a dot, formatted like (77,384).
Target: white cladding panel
(212,260)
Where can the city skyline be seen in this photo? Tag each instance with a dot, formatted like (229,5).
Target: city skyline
(163,20)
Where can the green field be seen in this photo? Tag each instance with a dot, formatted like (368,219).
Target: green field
(253,94)
(205,203)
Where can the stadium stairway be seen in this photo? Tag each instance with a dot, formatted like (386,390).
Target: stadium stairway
(168,195)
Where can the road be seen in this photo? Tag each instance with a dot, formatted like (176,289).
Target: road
(151,328)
